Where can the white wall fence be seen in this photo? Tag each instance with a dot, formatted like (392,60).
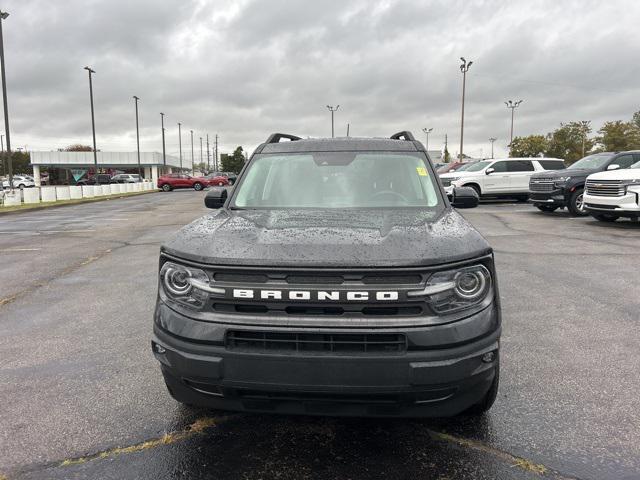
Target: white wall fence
(74,192)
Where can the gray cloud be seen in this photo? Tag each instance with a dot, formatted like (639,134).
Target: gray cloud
(245,69)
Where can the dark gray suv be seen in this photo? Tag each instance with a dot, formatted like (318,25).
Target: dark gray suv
(335,278)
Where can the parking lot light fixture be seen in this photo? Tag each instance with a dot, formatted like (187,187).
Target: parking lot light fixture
(512,105)
(3,16)
(135,98)
(93,121)
(427,131)
(464,68)
(332,109)
(180,142)
(192,169)
(164,152)
(492,139)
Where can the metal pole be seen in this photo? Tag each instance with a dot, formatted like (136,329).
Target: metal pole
(347,129)
(164,153)
(208,155)
(3,16)
(511,135)
(332,110)
(93,123)
(192,169)
(492,139)
(138,136)
(180,142)
(217,167)
(201,162)
(512,105)
(464,68)
(427,131)
(585,127)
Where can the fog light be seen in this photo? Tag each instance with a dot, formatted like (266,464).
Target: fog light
(489,357)
(158,348)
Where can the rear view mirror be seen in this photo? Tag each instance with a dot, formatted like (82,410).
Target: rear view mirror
(613,166)
(464,197)
(215,197)
(489,170)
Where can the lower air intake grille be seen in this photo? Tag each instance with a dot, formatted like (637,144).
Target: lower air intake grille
(325,343)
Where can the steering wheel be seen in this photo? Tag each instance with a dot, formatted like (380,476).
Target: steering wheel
(390,193)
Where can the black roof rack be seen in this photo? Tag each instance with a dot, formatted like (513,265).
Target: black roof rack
(276,137)
(404,135)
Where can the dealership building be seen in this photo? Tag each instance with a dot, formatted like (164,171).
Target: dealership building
(74,166)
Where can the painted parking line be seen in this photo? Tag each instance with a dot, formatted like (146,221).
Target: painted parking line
(10,250)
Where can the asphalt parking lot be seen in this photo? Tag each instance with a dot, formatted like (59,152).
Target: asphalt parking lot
(82,397)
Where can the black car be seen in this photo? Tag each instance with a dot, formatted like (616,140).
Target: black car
(335,278)
(564,188)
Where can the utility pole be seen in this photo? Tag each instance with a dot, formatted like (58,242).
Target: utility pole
(180,143)
(192,169)
(332,110)
(93,122)
(164,152)
(208,156)
(347,129)
(585,127)
(201,159)
(512,105)
(492,139)
(427,131)
(3,16)
(216,159)
(138,135)
(464,68)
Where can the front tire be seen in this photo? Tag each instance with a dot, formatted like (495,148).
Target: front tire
(197,187)
(603,217)
(166,187)
(475,187)
(546,208)
(576,203)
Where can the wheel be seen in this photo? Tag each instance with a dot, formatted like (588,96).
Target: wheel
(166,187)
(230,182)
(197,186)
(576,203)
(605,217)
(21,186)
(489,398)
(221,184)
(475,187)
(546,208)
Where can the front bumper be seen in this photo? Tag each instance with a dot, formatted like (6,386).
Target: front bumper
(627,205)
(445,370)
(554,198)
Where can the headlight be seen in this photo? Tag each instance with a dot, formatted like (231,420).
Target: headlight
(187,285)
(455,290)
(560,181)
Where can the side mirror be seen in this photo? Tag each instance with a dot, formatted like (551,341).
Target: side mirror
(489,170)
(613,166)
(464,197)
(215,198)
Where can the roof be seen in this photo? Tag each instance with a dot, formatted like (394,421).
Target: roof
(341,144)
(107,159)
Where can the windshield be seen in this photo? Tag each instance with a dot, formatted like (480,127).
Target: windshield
(592,161)
(464,167)
(635,165)
(476,167)
(337,180)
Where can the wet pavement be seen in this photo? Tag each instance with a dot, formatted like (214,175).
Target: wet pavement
(82,396)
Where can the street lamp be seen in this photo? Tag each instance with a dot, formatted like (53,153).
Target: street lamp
(512,105)
(586,125)
(93,122)
(427,131)
(201,160)
(164,153)
(208,156)
(492,139)
(332,110)
(180,142)
(464,68)
(138,135)
(3,16)
(192,170)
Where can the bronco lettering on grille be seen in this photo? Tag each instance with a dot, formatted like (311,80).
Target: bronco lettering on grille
(316,295)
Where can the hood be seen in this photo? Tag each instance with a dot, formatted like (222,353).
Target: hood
(325,238)
(463,173)
(566,172)
(621,174)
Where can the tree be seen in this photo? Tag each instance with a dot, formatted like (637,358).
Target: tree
(19,162)
(77,147)
(636,119)
(566,142)
(531,146)
(232,163)
(618,136)
(447,155)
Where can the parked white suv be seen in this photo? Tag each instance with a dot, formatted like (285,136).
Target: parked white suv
(504,177)
(613,194)
(20,181)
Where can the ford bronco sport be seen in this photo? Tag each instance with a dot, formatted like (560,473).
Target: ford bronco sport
(335,278)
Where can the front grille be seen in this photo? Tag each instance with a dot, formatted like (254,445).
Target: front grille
(541,185)
(318,343)
(303,309)
(605,188)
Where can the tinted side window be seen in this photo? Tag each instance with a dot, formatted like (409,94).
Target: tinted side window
(500,166)
(625,161)
(552,164)
(520,166)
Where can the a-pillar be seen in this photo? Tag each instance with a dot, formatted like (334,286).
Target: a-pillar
(36,175)
(154,176)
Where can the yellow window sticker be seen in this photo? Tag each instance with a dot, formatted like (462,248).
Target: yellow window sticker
(421,171)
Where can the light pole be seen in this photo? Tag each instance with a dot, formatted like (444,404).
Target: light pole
(427,131)
(93,122)
(192,170)
(135,98)
(215,161)
(208,155)
(332,110)
(201,160)
(464,68)
(492,139)
(586,124)
(512,105)
(3,16)
(164,152)
(180,142)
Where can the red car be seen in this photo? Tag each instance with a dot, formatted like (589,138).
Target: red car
(180,180)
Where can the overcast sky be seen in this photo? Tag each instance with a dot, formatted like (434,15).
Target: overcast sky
(244,69)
